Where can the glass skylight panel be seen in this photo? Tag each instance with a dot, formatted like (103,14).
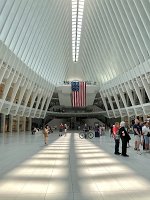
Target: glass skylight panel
(77,15)
(80,24)
(78,43)
(79,28)
(78,37)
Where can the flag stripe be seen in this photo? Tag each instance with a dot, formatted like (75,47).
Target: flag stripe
(78,94)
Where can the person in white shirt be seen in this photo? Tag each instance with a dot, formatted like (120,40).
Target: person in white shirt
(145,131)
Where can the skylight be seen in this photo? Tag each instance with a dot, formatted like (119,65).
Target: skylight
(77,14)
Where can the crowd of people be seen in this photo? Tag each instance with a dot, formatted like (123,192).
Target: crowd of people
(99,130)
(63,128)
(47,130)
(119,131)
(141,131)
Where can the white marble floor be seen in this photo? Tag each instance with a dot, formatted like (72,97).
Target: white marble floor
(70,168)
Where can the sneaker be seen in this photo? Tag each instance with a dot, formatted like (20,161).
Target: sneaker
(135,149)
(139,152)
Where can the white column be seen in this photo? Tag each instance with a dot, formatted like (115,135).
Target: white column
(18,123)
(24,124)
(104,102)
(29,124)
(10,123)
(3,123)
(110,102)
(129,120)
(116,99)
(122,118)
(146,86)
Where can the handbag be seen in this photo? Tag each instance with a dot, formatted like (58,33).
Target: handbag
(129,138)
(148,134)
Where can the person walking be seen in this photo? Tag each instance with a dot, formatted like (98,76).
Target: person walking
(85,129)
(45,133)
(61,127)
(97,130)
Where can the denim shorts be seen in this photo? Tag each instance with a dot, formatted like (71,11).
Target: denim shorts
(146,139)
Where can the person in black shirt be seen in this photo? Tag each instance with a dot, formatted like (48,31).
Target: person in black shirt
(86,129)
(124,138)
(128,130)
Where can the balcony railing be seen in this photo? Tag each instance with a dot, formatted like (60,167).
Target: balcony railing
(69,83)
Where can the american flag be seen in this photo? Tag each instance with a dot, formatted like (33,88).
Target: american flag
(78,93)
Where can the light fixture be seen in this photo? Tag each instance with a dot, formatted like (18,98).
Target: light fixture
(77,14)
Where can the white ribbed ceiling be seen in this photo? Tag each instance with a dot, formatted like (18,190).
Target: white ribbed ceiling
(114,39)
(39,33)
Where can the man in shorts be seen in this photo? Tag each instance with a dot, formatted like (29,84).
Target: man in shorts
(137,135)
